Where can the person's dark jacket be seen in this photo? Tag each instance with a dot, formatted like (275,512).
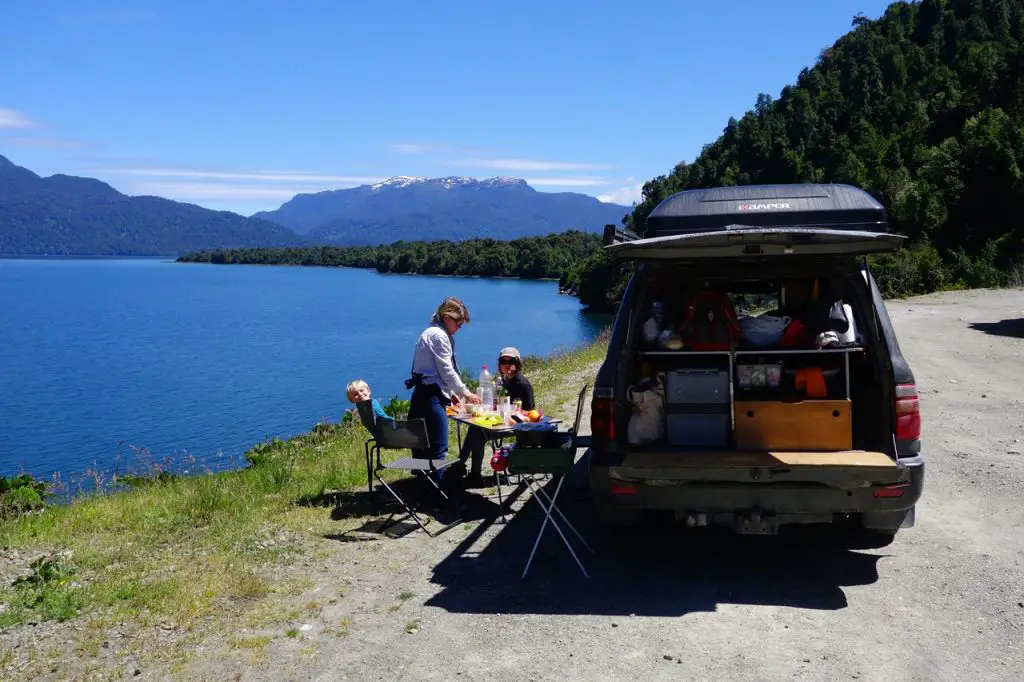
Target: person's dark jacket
(519,388)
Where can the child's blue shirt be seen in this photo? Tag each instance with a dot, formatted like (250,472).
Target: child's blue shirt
(378,411)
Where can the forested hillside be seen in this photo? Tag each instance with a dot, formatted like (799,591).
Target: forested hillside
(924,109)
(527,258)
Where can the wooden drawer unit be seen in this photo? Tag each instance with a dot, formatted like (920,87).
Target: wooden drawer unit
(806,425)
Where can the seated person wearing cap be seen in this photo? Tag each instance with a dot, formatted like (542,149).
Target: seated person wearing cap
(510,372)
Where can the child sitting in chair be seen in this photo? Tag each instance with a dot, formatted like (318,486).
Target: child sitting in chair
(358,391)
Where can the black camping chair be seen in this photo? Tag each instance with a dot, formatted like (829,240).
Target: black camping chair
(390,434)
(579,441)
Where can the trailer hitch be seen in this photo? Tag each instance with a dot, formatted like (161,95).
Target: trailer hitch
(756,522)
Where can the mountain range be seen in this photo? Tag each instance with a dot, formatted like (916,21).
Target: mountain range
(454,208)
(69,215)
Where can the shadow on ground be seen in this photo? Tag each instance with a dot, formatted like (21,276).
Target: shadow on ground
(1013,328)
(381,507)
(658,570)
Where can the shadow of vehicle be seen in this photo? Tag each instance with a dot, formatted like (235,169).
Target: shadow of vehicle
(1013,328)
(655,570)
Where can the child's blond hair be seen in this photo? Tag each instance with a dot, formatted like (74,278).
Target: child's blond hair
(354,386)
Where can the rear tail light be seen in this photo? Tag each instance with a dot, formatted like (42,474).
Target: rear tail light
(624,489)
(602,415)
(908,412)
(892,490)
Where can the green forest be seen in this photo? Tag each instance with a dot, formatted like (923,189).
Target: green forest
(924,109)
(549,257)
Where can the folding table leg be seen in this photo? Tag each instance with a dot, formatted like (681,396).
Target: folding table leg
(547,517)
(551,502)
(501,502)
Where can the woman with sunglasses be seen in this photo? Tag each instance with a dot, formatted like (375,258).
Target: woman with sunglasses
(435,376)
(510,365)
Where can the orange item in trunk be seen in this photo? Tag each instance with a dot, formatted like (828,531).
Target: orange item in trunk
(811,380)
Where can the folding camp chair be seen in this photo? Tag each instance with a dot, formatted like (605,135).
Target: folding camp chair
(390,434)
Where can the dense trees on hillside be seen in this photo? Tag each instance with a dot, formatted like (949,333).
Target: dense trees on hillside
(924,109)
(527,258)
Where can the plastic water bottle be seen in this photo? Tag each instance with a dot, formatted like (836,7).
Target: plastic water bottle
(658,310)
(486,390)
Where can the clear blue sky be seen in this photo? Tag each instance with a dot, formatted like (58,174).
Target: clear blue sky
(240,105)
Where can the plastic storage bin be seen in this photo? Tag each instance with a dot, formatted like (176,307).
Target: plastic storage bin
(697,410)
(700,386)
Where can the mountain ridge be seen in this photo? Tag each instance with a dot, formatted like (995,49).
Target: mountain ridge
(73,215)
(69,215)
(405,208)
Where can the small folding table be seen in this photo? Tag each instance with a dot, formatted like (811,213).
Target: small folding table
(495,435)
(529,463)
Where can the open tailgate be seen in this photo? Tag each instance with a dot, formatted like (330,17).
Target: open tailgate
(851,468)
(739,241)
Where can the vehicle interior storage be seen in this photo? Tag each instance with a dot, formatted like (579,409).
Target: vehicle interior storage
(757,363)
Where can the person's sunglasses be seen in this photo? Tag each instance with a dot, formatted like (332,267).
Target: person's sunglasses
(506,361)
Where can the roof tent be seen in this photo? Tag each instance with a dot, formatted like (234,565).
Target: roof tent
(833,207)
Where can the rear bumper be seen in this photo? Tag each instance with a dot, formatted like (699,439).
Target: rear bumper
(804,497)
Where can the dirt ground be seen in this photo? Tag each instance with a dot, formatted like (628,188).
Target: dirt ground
(945,601)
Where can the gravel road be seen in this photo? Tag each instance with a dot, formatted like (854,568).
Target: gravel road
(945,601)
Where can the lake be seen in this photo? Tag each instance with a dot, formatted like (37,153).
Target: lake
(101,357)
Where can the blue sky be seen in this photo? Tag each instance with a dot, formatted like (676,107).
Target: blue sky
(241,105)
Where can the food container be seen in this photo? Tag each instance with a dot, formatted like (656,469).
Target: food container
(759,376)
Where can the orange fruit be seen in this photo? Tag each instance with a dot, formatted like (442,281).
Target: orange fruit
(533,415)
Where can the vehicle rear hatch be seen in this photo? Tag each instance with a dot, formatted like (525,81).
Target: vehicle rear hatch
(739,241)
(731,246)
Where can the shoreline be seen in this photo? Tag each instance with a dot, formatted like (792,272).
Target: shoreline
(374,270)
(73,486)
(170,561)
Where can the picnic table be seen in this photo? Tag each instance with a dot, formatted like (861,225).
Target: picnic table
(495,435)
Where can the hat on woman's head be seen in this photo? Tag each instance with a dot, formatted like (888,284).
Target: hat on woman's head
(510,352)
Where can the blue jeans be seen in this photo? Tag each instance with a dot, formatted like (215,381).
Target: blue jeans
(428,403)
(473,446)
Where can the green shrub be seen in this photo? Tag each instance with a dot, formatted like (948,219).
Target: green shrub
(22,493)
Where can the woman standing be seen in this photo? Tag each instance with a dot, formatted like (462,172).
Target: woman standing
(510,369)
(435,376)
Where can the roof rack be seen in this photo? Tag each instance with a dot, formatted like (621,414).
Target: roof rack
(617,235)
(817,205)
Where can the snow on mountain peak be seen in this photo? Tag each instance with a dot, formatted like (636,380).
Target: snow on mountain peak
(400,181)
(397,181)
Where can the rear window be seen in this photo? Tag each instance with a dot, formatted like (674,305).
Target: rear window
(671,302)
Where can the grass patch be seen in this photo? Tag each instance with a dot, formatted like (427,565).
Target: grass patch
(200,551)
(344,627)
(251,642)
(291,633)
(558,378)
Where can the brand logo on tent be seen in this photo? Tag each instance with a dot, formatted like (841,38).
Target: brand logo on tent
(762,207)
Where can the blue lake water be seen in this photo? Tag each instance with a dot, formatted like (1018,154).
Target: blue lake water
(100,357)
